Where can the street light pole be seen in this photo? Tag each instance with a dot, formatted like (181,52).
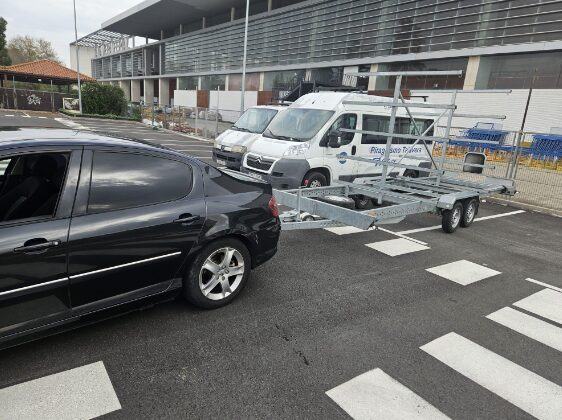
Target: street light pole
(77,59)
(244,58)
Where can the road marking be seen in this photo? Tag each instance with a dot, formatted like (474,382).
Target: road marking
(547,303)
(72,124)
(42,118)
(347,230)
(376,395)
(9,115)
(26,115)
(550,286)
(478,219)
(396,247)
(530,392)
(82,393)
(463,272)
(528,325)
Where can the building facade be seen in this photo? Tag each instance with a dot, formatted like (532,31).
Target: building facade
(498,44)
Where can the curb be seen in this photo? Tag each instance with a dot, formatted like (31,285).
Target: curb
(525,206)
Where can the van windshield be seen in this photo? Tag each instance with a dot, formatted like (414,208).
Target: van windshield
(254,120)
(297,124)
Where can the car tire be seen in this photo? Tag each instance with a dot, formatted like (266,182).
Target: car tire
(451,219)
(470,211)
(362,202)
(314,179)
(211,267)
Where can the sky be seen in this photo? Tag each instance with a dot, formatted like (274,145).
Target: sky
(54,19)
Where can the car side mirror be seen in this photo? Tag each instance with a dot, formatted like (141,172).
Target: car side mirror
(334,139)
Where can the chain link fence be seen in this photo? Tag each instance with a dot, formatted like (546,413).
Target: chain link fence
(201,122)
(537,170)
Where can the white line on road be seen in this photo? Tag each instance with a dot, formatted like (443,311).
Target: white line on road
(547,303)
(82,393)
(478,219)
(463,272)
(376,395)
(550,286)
(396,247)
(528,325)
(521,387)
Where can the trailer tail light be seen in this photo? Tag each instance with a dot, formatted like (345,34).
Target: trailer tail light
(273,207)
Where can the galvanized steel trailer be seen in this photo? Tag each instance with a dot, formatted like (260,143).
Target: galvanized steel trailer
(441,191)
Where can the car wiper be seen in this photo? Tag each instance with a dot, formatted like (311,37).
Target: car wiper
(279,137)
(235,127)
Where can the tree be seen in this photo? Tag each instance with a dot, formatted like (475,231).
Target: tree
(103,99)
(23,49)
(4,57)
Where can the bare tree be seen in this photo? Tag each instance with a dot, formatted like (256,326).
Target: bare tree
(23,49)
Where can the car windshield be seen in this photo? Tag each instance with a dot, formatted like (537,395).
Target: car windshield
(255,120)
(297,124)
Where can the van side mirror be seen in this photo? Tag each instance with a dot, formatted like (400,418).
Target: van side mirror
(334,139)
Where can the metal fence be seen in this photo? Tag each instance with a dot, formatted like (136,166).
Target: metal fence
(538,173)
(202,122)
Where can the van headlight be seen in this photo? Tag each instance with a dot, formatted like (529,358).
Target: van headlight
(297,149)
(239,149)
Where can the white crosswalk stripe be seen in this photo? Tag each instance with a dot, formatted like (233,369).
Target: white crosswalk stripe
(546,303)
(376,395)
(82,393)
(530,326)
(396,247)
(524,389)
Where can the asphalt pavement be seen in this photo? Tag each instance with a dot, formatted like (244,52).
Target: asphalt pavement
(339,323)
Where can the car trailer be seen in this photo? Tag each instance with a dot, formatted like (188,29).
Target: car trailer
(441,192)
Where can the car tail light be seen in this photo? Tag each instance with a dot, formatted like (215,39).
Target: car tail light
(273,207)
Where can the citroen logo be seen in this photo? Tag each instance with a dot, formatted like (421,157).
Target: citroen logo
(258,160)
(222,147)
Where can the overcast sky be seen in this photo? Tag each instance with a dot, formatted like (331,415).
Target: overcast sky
(53,19)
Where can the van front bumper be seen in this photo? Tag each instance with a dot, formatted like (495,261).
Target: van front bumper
(285,174)
(229,159)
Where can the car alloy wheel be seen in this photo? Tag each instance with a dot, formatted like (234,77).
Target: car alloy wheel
(221,274)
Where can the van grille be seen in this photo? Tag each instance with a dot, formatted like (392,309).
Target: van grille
(258,162)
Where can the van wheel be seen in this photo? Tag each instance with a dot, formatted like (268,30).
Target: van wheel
(470,211)
(218,274)
(361,202)
(314,179)
(451,219)
(410,173)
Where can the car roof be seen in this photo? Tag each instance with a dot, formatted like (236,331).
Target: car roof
(14,137)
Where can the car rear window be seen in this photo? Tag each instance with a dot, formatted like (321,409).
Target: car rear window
(126,180)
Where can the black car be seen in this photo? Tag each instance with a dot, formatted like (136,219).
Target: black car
(89,222)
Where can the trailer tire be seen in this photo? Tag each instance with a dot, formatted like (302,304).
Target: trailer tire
(362,202)
(410,173)
(470,210)
(451,219)
(314,179)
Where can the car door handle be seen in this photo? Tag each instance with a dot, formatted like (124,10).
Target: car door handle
(185,219)
(36,245)
(353,150)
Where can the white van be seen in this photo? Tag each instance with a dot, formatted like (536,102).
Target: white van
(231,144)
(300,146)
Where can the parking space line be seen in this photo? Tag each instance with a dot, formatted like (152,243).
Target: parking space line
(396,247)
(550,286)
(546,303)
(84,392)
(525,389)
(376,395)
(463,272)
(478,219)
(528,325)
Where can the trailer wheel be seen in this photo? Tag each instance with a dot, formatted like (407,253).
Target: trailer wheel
(451,219)
(314,179)
(411,173)
(469,212)
(361,201)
